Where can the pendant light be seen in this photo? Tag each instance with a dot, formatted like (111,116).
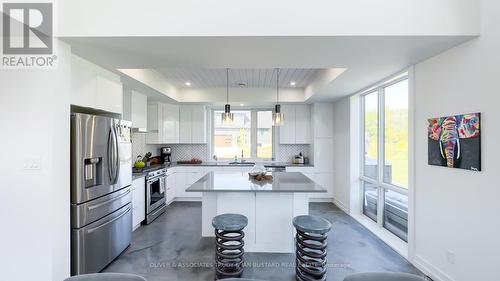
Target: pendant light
(277,115)
(227,116)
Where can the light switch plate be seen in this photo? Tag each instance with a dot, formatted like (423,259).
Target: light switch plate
(450,256)
(32,164)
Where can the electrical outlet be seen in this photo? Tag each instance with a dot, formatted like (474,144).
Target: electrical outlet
(32,164)
(450,257)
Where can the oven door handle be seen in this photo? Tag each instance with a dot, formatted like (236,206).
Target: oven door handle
(163,187)
(152,181)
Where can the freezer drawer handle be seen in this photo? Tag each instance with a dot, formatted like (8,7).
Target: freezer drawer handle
(90,208)
(106,223)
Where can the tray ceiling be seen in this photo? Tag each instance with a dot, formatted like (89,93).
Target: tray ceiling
(245,78)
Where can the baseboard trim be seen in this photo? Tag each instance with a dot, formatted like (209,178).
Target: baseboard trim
(387,237)
(320,200)
(187,199)
(430,270)
(341,206)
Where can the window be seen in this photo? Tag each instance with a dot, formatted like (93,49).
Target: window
(265,134)
(396,132)
(371,135)
(370,200)
(251,133)
(385,158)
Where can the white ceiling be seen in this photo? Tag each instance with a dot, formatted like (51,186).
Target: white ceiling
(252,78)
(368,59)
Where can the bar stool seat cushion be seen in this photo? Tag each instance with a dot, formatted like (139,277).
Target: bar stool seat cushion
(383,276)
(241,279)
(230,222)
(106,277)
(311,224)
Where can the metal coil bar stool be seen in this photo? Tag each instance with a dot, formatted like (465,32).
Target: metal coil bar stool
(229,245)
(310,244)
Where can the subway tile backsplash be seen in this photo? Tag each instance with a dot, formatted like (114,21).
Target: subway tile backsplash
(179,151)
(284,153)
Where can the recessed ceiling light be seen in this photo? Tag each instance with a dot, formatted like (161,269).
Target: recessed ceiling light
(187,83)
(242,104)
(292,83)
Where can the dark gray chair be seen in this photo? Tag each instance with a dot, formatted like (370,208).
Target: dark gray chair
(383,276)
(106,277)
(229,245)
(310,247)
(241,279)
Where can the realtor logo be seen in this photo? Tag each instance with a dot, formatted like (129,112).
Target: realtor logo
(27,33)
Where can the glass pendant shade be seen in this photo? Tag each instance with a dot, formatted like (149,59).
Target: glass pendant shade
(227,116)
(278,117)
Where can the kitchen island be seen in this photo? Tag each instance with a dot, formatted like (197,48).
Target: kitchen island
(269,206)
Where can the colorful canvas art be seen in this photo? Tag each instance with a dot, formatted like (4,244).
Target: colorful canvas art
(455,141)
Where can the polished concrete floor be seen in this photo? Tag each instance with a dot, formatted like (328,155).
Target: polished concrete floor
(171,248)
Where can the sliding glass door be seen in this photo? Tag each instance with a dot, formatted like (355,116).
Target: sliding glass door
(384,174)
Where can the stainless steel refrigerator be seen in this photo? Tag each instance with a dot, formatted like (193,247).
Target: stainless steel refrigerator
(101,178)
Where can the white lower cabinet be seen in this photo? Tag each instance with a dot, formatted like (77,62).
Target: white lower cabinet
(138,202)
(181,177)
(184,178)
(326,181)
(170,193)
(322,178)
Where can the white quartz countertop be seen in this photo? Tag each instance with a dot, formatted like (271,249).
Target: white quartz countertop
(229,181)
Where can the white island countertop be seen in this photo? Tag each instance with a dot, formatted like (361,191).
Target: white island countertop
(228,181)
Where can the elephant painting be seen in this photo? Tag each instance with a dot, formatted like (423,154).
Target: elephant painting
(455,141)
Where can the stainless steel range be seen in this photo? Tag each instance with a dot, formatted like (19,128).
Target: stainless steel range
(101,211)
(156,188)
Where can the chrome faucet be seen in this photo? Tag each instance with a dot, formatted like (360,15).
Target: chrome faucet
(242,155)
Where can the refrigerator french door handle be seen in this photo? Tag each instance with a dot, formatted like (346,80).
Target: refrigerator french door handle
(110,162)
(113,158)
(117,151)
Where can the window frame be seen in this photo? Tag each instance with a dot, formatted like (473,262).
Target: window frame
(379,183)
(253,134)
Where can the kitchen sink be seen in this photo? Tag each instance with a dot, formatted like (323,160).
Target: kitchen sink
(242,163)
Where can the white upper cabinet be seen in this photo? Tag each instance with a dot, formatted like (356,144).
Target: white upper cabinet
(163,123)
(297,124)
(170,123)
(302,124)
(154,135)
(139,111)
(192,124)
(93,86)
(322,120)
(287,130)
(83,83)
(185,115)
(199,124)
(109,95)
